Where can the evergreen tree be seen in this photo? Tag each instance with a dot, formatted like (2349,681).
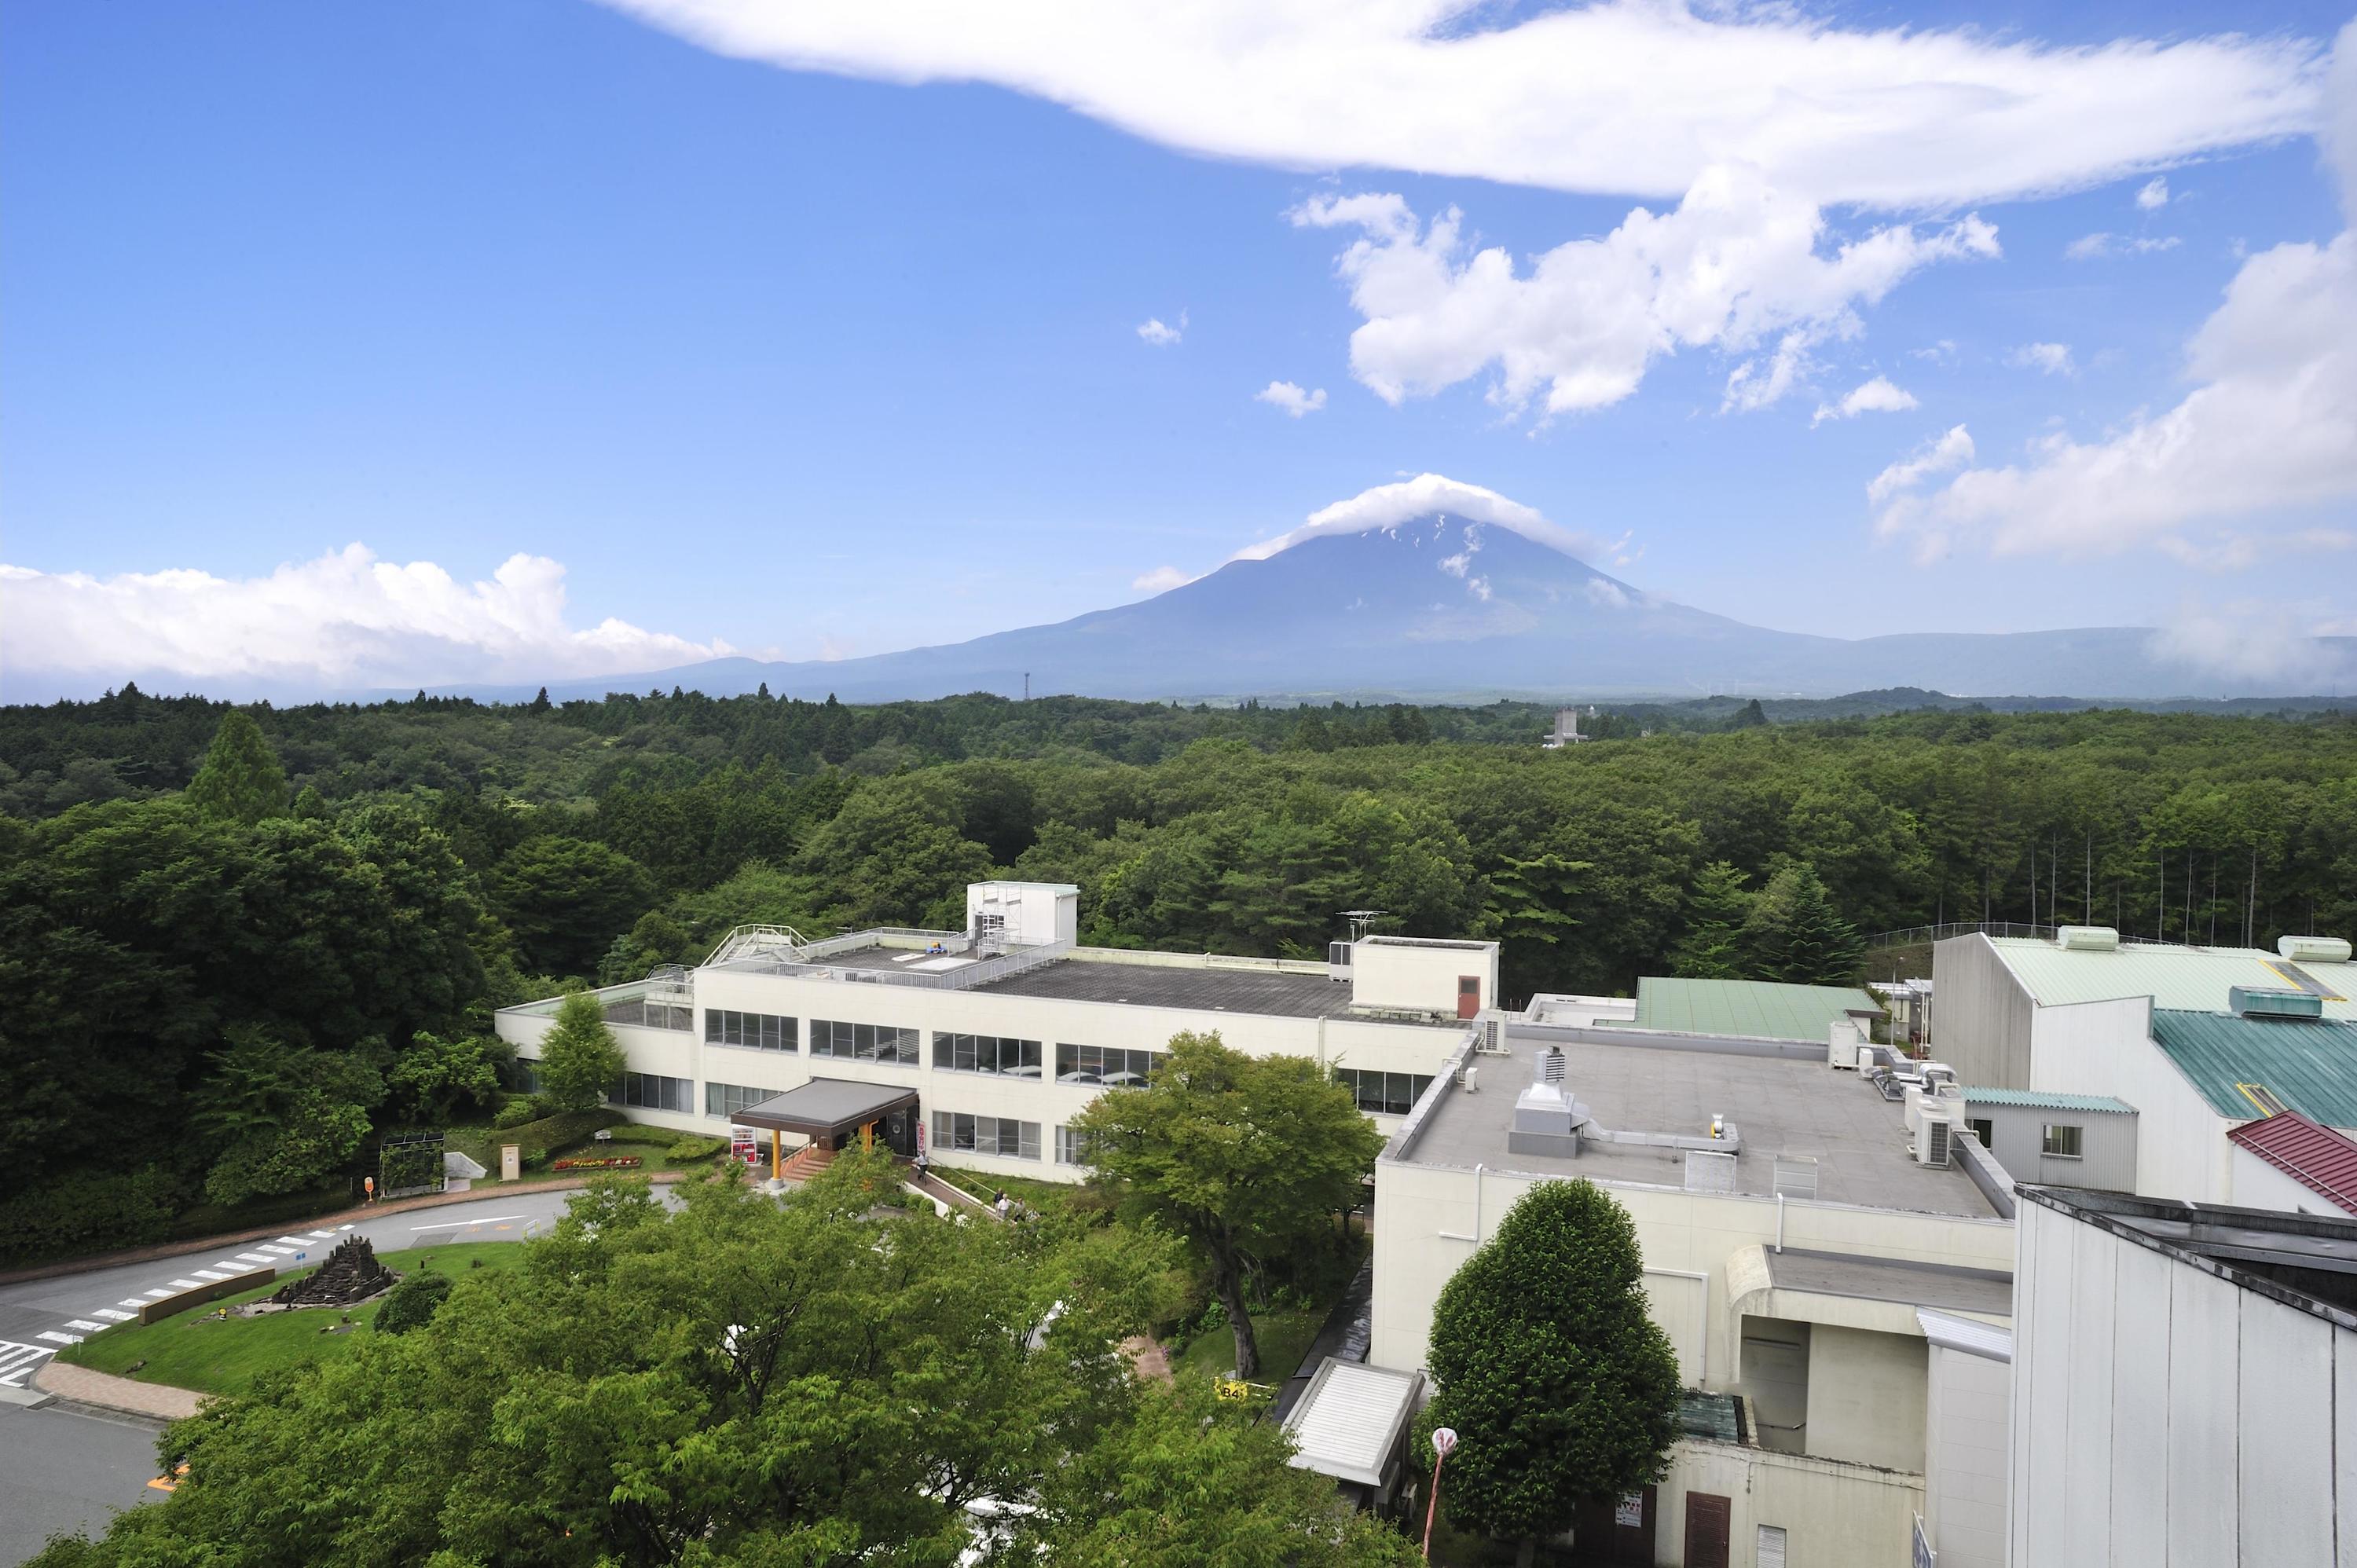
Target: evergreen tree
(541,704)
(1748,717)
(241,779)
(1711,946)
(580,1062)
(1560,1388)
(1794,934)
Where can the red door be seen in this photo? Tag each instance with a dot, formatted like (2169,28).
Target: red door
(1706,1530)
(1468,996)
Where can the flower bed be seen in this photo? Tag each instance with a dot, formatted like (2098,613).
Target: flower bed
(615,1163)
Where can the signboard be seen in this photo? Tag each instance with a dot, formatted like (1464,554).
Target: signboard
(1630,1513)
(1924,1556)
(511,1161)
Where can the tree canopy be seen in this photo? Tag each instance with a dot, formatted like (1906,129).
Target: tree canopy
(1545,1359)
(580,1063)
(1238,1153)
(241,779)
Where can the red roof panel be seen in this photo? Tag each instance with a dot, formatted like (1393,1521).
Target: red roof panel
(2316,1156)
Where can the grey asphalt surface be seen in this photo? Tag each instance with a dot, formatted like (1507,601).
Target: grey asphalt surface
(61,1470)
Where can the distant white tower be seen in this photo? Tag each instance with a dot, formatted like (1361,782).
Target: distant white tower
(1566,731)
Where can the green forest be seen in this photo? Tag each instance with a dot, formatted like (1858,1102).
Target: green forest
(245,942)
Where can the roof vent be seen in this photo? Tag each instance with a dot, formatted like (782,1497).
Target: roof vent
(2087,938)
(2314,950)
(2249,1002)
(1551,1065)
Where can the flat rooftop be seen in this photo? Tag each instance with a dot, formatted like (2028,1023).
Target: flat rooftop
(1779,1105)
(2187,979)
(1197,988)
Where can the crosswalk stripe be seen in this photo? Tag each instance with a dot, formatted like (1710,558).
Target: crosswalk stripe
(139,1300)
(111,1314)
(60,1338)
(290,1241)
(255,1258)
(177,1285)
(84,1324)
(276,1251)
(19,1362)
(210,1274)
(227,1265)
(321,1235)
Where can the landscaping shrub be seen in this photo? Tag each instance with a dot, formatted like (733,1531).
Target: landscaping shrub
(86,1213)
(515,1113)
(412,1303)
(693,1148)
(558,1132)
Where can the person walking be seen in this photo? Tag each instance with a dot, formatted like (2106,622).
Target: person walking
(1001,1205)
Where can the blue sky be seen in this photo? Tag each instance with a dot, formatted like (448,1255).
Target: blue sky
(810,364)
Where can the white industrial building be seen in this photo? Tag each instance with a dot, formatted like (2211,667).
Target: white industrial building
(2086,1062)
(978,1046)
(1814,1263)
(2186,1385)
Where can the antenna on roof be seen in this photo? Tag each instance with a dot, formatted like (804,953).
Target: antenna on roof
(1361,919)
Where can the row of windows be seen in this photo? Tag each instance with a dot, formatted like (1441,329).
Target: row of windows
(954,1131)
(651,1091)
(1383,1093)
(727,1099)
(760,1031)
(986,1053)
(863,1042)
(1104,1064)
(648,1014)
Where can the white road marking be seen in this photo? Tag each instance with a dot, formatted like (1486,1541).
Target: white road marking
(464,1224)
(84,1324)
(255,1258)
(323,1235)
(338,1228)
(19,1362)
(228,1265)
(52,1334)
(177,1285)
(112,1316)
(210,1274)
(279,1251)
(288,1241)
(140,1300)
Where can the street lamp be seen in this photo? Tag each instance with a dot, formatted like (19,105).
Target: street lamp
(1444,1442)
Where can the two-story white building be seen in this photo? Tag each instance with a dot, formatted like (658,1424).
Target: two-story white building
(979,1047)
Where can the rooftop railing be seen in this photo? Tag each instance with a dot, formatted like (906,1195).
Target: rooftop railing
(812,963)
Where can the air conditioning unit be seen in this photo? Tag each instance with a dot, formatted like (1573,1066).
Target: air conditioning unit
(1338,960)
(1490,1037)
(1936,1137)
(1845,1038)
(1931,1100)
(1865,1057)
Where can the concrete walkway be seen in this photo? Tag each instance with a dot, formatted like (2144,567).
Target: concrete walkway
(104,1390)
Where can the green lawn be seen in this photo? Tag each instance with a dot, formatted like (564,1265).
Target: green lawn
(1285,1338)
(223,1355)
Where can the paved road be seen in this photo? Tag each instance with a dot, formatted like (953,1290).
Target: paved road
(63,1471)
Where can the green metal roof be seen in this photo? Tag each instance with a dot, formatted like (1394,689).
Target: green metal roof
(2188,979)
(1761,1008)
(2311,1067)
(2036,1100)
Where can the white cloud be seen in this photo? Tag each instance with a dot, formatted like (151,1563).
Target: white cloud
(1291,398)
(1162,336)
(1635,97)
(2268,429)
(2053,358)
(2153,195)
(1943,456)
(1876,396)
(1161,580)
(1734,264)
(346,619)
(1387,507)
(1940,353)
(2095,247)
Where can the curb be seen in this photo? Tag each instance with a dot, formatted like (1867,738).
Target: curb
(162,1250)
(28,1399)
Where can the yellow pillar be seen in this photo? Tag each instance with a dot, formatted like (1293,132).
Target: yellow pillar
(776,1161)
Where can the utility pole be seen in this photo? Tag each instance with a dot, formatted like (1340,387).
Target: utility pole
(1026,685)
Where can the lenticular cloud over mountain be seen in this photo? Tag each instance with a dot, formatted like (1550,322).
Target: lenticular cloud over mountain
(1386,507)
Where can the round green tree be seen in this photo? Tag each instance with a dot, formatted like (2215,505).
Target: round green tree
(1561,1390)
(580,1062)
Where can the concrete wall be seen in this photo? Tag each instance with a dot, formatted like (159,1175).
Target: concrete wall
(1833,1514)
(2164,1417)
(2258,1184)
(1420,976)
(1429,1219)
(2107,1140)
(1866,1396)
(1966,1457)
(2105,1048)
(1387,1046)
(1984,1019)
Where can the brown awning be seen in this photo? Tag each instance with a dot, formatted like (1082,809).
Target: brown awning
(825,1106)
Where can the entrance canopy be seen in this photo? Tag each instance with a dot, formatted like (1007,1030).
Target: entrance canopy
(826,1107)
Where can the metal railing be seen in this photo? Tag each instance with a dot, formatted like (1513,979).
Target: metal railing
(1913,936)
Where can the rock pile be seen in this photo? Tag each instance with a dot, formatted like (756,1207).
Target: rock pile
(350,1275)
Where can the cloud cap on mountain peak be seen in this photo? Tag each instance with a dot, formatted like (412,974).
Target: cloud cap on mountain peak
(1386,507)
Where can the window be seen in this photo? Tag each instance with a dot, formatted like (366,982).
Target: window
(1383,1093)
(650,1014)
(1767,1546)
(727,1099)
(954,1130)
(986,1053)
(863,1042)
(2061,1141)
(1071,1148)
(1104,1064)
(757,1031)
(1985,1131)
(527,1075)
(649,1091)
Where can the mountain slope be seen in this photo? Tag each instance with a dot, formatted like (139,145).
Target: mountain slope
(1440,605)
